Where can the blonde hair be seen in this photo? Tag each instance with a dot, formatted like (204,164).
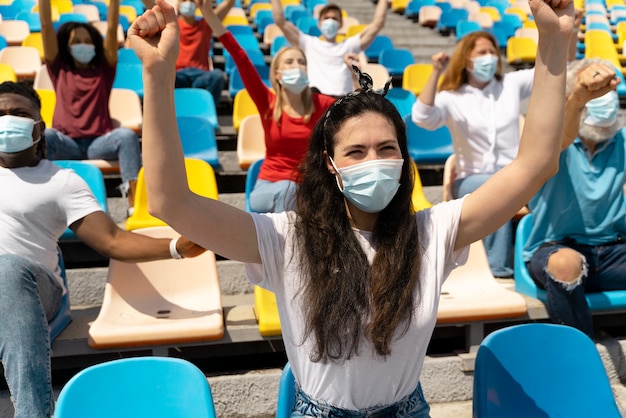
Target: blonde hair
(305,96)
(456,74)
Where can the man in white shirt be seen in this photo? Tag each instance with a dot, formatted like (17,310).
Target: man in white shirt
(40,201)
(327,69)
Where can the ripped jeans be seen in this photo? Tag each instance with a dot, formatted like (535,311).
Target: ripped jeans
(605,268)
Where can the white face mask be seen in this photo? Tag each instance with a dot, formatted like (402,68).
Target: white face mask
(83,53)
(485,67)
(187,8)
(16,133)
(370,185)
(602,111)
(329,28)
(294,79)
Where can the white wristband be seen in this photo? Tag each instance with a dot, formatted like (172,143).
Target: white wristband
(173,251)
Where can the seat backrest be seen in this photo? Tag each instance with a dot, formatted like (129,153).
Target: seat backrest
(278,42)
(250,141)
(379,74)
(270,32)
(197,137)
(428,147)
(396,60)
(415,77)
(7,74)
(129,76)
(35,40)
(419,199)
(15,31)
(379,43)
(94,179)
(196,102)
(42,79)
(48,102)
(541,370)
(402,99)
(90,11)
(125,108)
(201,179)
(286,393)
(251,176)
(135,387)
(25,60)
(243,106)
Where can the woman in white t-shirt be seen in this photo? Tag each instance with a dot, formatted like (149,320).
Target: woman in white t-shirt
(356,272)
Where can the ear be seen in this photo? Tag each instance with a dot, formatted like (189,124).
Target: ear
(329,165)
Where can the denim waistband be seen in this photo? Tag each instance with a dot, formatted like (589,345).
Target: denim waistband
(411,406)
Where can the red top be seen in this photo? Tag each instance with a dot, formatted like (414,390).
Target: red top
(195,45)
(82,104)
(287,143)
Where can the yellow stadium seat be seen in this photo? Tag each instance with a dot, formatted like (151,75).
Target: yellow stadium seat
(129,11)
(201,180)
(256,7)
(48,102)
(419,199)
(235,20)
(7,73)
(491,11)
(415,76)
(242,106)
(63,6)
(521,51)
(266,312)
(355,29)
(35,40)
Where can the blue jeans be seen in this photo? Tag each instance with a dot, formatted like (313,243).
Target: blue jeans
(29,297)
(411,406)
(273,196)
(213,81)
(497,245)
(603,268)
(119,144)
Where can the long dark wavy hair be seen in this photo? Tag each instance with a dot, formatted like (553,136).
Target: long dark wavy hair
(63,39)
(346,298)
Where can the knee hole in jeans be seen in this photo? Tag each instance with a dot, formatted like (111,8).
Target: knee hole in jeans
(567,267)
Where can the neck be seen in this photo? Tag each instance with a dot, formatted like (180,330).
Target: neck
(477,84)
(591,145)
(293,101)
(361,220)
(188,19)
(27,158)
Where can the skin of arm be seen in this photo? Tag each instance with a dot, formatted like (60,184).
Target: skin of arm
(221,10)
(110,40)
(100,232)
(291,32)
(369,33)
(509,189)
(48,36)
(224,229)
(440,63)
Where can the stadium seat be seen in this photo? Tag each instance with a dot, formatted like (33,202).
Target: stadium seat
(541,370)
(521,51)
(380,43)
(32,18)
(242,106)
(250,141)
(201,179)
(402,99)
(235,83)
(448,20)
(598,301)
(271,31)
(125,109)
(429,16)
(48,102)
(42,79)
(25,60)
(137,387)
(14,31)
(415,76)
(129,76)
(159,302)
(286,393)
(428,147)
(7,73)
(278,42)
(90,11)
(197,137)
(396,60)
(102,25)
(463,27)
(127,56)
(380,75)
(196,102)
(35,40)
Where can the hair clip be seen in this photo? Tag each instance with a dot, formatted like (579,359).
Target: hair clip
(367,84)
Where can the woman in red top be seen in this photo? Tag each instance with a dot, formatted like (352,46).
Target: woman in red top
(82,69)
(289,114)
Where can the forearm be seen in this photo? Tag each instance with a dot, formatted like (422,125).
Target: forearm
(223,8)
(278,13)
(429,91)
(110,40)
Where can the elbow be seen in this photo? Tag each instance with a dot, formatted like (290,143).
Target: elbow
(158,209)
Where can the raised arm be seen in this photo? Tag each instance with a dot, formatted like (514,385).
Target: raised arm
(511,188)
(214,225)
(440,63)
(221,10)
(110,40)
(291,32)
(369,33)
(48,36)
(594,81)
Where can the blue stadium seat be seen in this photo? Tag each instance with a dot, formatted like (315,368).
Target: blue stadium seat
(196,102)
(278,42)
(402,99)
(380,43)
(251,176)
(308,25)
(32,18)
(235,83)
(129,76)
(463,27)
(428,147)
(127,56)
(286,393)
(448,20)
(197,138)
(395,60)
(541,370)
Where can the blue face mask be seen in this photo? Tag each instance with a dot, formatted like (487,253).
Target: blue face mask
(294,79)
(485,67)
(16,133)
(187,8)
(371,185)
(602,111)
(329,28)
(83,53)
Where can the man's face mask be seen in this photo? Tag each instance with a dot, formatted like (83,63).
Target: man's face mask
(329,28)
(602,111)
(187,8)
(16,133)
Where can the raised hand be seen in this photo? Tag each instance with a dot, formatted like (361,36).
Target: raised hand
(440,61)
(553,16)
(154,36)
(594,81)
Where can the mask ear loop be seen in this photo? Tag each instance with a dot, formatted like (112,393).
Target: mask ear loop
(337,174)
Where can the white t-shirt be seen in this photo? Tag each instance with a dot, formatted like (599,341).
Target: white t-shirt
(366,380)
(39,203)
(484,123)
(325,65)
